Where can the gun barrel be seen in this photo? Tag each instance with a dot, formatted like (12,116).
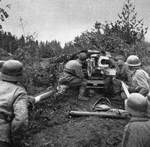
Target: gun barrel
(120,115)
(43,96)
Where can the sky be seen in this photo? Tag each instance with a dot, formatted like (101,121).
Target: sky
(63,20)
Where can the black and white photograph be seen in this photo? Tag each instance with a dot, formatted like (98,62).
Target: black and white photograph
(74,73)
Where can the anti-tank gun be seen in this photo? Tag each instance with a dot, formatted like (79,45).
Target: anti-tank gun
(98,68)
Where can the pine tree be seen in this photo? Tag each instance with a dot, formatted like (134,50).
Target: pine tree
(130,28)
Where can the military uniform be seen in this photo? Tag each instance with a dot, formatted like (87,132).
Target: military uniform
(123,72)
(140,82)
(13,109)
(137,133)
(73,74)
(13,103)
(140,79)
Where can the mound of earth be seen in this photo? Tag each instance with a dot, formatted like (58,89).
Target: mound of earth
(51,126)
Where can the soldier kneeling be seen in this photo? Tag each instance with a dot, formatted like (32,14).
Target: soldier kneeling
(73,76)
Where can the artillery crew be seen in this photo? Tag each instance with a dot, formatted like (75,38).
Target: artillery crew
(14,99)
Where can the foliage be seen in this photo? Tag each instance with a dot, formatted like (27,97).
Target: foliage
(128,26)
(124,36)
(95,40)
(3,13)
(50,49)
(4,55)
(10,42)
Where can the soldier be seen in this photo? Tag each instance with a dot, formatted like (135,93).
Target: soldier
(13,102)
(137,131)
(73,75)
(122,70)
(113,87)
(139,78)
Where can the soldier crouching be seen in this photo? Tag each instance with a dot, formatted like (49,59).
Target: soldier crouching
(73,76)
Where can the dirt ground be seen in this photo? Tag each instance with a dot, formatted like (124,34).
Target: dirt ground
(51,126)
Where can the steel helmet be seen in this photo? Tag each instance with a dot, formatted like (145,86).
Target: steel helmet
(136,104)
(133,61)
(12,70)
(82,56)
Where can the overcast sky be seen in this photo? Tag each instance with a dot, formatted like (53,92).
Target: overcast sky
(64,19)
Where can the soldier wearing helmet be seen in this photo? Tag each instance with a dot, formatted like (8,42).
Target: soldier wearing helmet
(13,102)
(136,133)
(73,75)
(139,78)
